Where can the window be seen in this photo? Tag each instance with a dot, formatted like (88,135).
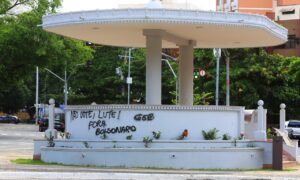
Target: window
(294,124)
(288,11)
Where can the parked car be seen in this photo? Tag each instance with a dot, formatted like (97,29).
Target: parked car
(59,123)
(293,128)
(9,119)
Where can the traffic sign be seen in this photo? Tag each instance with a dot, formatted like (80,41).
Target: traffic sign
(202,72)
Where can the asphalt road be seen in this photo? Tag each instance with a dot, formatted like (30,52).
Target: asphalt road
(135,176)
(16,141)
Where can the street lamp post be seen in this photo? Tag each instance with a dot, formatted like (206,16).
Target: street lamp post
(65,80)
(128,79)
(173,72)
(175,76)
(217,54)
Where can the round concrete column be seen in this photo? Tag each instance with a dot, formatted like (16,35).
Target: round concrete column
(186,70)
(153,68)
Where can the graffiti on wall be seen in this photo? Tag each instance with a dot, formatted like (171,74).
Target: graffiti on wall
(144,117)
(99,120)
(89,114)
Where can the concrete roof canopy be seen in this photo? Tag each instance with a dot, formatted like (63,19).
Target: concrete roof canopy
(206,29)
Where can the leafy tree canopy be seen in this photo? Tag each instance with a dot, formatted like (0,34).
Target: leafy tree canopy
(14,7)
(24,45)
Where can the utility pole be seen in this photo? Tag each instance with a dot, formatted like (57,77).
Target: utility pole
(129,79)
(66,87)
(227,55)
(37,96)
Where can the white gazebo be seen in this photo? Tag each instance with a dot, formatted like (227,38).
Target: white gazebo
(155,27)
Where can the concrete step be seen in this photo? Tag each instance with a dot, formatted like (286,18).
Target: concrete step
(288,160)
(287,157)
(287,164)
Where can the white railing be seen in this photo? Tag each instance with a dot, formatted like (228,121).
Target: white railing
(155,107)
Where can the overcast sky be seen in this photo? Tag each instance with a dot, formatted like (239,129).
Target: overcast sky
(77,5)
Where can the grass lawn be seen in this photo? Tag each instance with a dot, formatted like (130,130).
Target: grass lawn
(31,162)
(39,162)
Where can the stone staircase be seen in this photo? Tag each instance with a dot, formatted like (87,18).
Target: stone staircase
(288,160)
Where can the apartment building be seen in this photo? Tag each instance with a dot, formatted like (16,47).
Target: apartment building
(263,7)
(287,13)
(284,12)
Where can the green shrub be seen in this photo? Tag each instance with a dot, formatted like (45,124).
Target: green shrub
(156,134)
(270,134)
(86,144)
(226,137)
(129,137)
(211,134)
(147,140)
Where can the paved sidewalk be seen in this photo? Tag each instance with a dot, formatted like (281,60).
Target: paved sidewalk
(131,176)
(15,171)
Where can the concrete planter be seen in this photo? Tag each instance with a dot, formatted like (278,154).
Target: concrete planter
(183,158)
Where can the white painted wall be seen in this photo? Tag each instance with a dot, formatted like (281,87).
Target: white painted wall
(268,151)
(69,143)
(170,120)
(186,158)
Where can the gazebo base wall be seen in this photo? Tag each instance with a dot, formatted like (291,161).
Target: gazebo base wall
(181,158)
(124,136)
(184,154)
